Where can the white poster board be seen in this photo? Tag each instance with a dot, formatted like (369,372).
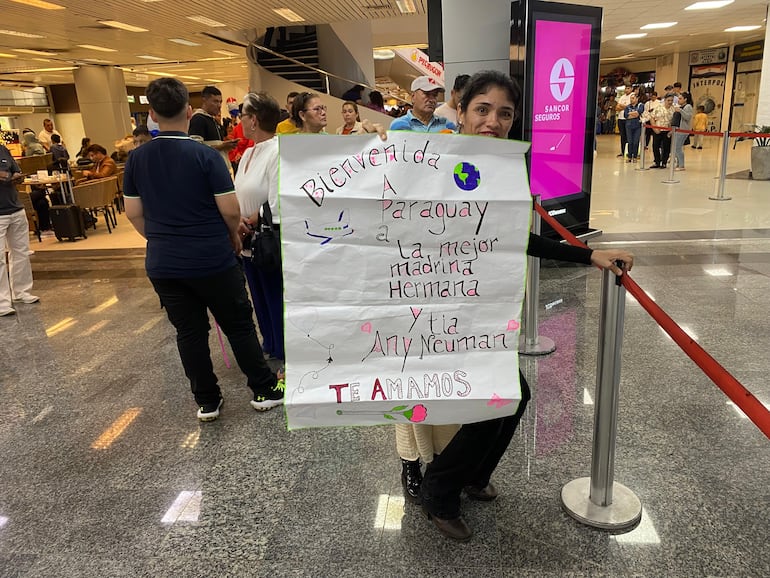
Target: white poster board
(404,268)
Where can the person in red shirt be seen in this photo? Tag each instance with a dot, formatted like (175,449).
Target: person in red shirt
(243,143)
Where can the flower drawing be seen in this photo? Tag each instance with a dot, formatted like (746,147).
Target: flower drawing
(416,414)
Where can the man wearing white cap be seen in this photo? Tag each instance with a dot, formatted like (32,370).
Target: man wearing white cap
(424,100)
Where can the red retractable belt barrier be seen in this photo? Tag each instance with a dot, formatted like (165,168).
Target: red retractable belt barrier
(706,133)
(741,396)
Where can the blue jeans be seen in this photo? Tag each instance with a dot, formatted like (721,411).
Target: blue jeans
(633,133)
(267,294)
(187,302)
(679,148)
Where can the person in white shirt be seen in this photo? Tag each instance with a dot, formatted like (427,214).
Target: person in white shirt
(649,106)
(44,136)
(623,102)
(256,183)
(449,109)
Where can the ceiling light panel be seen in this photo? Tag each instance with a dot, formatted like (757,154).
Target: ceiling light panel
(288,14)
(150,57)
(20,34)
(122,26)
(710,5)
(742,28)
(630,36)
(225,53)
(40,4)
(183,42)
(406,6)
(206,21)
(97,48)
(657,25)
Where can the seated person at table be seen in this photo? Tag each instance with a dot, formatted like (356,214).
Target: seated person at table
(59,155)
(103,166)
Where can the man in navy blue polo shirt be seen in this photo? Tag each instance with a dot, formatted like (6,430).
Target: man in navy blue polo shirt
(425,93)
(180,197)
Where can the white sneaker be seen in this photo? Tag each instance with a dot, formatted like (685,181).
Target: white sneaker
(28,299)
(9,311)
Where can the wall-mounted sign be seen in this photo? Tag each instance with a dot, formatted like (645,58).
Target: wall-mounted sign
(143,99)
(708,56)
(748,52)
(421,61)
(131,98)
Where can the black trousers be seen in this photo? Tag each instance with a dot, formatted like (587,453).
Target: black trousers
(661,148)
(40,202)
(224,294)
(469,460)
(623,136)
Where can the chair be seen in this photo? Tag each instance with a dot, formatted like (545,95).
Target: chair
(29,209)
(98,196)
(30,165)
(119,204)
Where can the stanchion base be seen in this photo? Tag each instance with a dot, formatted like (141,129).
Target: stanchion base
(544,346)
(642,169)
(624,513)
(669,182)
(721,198)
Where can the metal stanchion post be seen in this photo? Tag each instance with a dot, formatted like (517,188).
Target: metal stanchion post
(600,501)
(531,343)
(642,140)
(723,169)
(671,157)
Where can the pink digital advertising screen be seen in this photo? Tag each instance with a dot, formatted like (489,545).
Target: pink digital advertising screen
(561,68)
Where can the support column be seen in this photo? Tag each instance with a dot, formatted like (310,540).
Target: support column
(103,104)
(476,37)
(763,103)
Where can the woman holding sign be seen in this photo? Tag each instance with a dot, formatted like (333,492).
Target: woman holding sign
(489,107)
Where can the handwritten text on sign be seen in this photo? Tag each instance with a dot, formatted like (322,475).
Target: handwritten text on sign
(404,271)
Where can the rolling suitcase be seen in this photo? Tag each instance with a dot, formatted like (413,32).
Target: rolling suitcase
(67,222)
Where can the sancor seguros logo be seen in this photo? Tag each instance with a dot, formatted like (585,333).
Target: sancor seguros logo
(467,176)
(562,79)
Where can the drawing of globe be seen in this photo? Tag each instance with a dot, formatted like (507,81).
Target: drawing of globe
(467,176)
(707,103)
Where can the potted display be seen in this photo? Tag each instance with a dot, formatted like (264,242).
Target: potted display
(760,155)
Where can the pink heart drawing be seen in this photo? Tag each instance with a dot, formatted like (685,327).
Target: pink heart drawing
(366,327)
(498,401)
(513,325)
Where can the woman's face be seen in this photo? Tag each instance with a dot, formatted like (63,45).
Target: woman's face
(249,123)
(489,114)
(348,115)
(314,115)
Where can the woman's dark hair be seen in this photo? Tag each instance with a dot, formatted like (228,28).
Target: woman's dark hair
(482,82)
(167,96)
(687,98)
(95,148)
(300,102)
(265,108)
(375,97)
(355,107)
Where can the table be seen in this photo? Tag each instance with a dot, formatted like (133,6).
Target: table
(63,180)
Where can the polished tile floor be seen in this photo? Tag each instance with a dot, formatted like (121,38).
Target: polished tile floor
(106,472)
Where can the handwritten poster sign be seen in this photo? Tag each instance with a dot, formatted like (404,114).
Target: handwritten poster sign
(404,271)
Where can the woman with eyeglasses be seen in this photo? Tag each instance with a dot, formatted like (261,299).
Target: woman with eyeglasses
(309,113)
(256,183)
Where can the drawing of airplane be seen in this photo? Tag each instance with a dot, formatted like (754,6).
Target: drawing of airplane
(328,231)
